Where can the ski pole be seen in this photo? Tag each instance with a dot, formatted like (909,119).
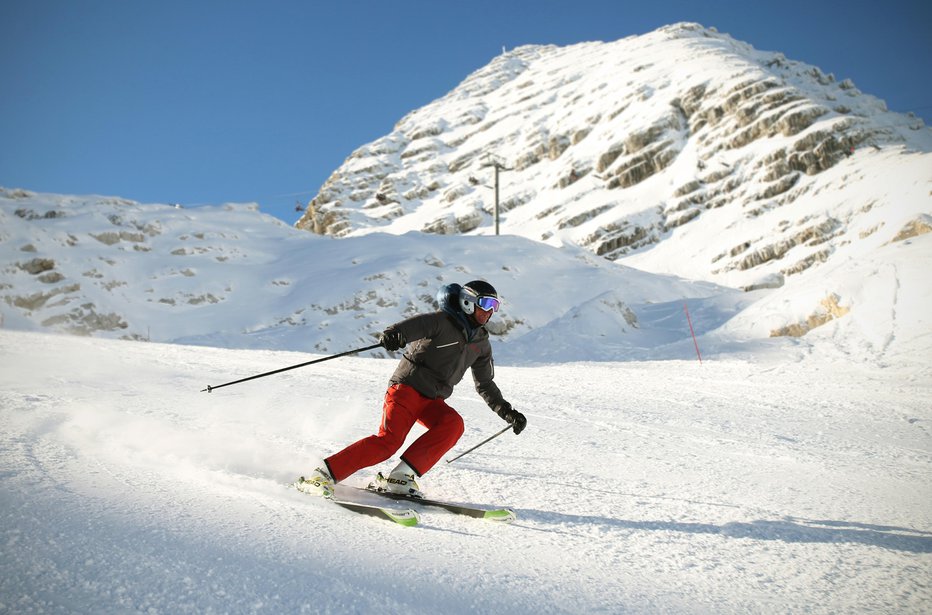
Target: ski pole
(510,425)
(285,369)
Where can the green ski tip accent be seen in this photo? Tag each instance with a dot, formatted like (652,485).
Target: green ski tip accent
(503,514)
(407,518)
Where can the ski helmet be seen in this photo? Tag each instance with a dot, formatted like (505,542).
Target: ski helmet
(478,293)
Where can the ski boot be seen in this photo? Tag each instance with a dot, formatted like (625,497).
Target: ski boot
(320,483)
(401,481)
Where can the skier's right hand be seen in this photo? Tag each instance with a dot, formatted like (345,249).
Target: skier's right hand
(392,340)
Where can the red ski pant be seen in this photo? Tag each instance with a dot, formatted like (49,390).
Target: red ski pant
(403,407)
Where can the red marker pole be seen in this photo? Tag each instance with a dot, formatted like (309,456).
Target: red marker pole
(693,333)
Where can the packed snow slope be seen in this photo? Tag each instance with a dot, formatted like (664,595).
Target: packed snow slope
(640,487)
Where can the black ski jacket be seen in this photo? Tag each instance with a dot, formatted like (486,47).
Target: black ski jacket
(440,348)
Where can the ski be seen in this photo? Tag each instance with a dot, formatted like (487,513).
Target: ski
(406,517)
(505,515)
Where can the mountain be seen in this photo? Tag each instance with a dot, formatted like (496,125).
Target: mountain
(629,148)
(682,151)
(790,210)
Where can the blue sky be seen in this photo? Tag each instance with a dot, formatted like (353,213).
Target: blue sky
(198,102)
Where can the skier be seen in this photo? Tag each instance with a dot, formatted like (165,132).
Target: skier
(443,345)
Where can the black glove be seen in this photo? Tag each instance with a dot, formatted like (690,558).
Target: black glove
(391,340)
(512,416)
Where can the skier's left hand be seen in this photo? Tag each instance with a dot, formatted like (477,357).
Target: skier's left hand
(512,416)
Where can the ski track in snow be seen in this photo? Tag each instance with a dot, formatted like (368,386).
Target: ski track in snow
(726,487)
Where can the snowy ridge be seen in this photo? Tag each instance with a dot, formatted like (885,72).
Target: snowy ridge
(230,276)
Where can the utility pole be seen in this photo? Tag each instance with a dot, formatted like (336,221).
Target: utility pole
(496,198)
(495,161)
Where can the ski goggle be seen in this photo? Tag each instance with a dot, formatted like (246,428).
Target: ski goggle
(488,303)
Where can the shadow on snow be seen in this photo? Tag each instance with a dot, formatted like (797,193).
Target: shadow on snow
(789,529)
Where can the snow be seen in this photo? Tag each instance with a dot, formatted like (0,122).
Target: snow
(732,486)
(780,474)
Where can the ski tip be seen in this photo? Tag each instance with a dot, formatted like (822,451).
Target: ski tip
(502,515)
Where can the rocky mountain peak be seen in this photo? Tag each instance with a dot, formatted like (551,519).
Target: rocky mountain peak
(620,147)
